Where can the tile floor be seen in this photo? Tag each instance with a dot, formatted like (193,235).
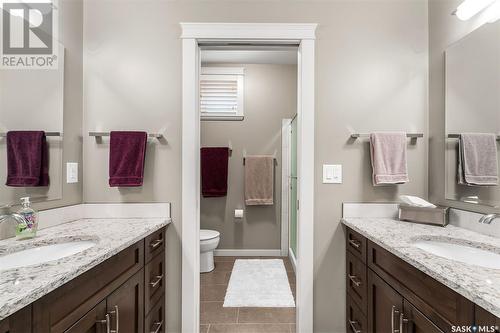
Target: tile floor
(214,318)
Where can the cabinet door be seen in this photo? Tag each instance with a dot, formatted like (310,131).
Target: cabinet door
(93,322)
(413,321)
(19,322)
(384,306)
(487,320)
(126,305)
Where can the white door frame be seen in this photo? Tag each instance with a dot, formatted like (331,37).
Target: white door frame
(192,34)
(285,185)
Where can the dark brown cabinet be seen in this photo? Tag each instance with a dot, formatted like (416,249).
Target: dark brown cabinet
(126,306)
(413,321)
(384,305)
(387,295)
(94,321)
(487,320)
(107,298)
(19,322)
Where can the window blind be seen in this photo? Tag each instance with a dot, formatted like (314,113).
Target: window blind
(219,95)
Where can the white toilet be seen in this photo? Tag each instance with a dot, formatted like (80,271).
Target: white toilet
(209,239)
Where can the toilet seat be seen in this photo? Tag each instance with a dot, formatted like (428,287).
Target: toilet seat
(206,234)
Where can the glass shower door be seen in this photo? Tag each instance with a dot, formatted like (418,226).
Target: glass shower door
(293,188)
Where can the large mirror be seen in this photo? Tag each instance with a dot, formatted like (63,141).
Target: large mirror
(472,108)
(32,100)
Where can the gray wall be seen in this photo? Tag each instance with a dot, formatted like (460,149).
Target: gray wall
(371,74)
(270,96)
(444,30)
(71,36)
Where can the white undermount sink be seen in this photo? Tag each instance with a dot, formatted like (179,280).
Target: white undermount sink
(462,253)
(43,254)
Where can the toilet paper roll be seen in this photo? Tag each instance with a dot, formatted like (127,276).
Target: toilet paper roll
(238,213)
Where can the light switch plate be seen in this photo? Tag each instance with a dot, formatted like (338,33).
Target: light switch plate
(332,174)
(71,172)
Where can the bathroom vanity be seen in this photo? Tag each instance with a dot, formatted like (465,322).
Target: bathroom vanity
(393,286)
(117,285)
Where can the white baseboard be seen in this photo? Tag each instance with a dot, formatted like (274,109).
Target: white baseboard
(247,253)
(293,260)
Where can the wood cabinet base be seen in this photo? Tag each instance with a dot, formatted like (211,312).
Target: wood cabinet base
(108,298)
(396,297)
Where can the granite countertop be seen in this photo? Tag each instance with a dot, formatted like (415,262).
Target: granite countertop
(20,287)
(478,284)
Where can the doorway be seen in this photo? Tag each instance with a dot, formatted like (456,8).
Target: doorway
(194,35)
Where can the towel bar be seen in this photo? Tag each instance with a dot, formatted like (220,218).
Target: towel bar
(457,136)
(366,135)
(3,135)
(103,134)
(274,156)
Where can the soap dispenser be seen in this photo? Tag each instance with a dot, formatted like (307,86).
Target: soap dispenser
(27,228)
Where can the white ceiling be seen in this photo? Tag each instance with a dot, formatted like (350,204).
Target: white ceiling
(283,57)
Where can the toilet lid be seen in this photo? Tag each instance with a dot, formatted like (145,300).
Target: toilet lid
(206,234)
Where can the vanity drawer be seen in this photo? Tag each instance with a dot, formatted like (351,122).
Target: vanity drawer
(64,306)
(155,243)
(356,244)
(154,281)
(440,304)
(356,281)
(356,320)
(155,321)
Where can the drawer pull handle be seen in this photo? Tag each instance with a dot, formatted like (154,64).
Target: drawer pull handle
(394,312)
(354,280)
(354,243)
(116,312)
(158,325)
(402,321)
(156,243)
(106,322)
(153,284)
(353,326)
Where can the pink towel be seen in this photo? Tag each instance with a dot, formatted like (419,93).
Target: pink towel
(388,155)
(478,161)
(259,180)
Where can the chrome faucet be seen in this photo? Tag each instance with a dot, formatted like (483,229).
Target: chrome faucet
(487,219)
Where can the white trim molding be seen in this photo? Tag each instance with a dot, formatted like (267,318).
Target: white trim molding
(253,31)
(208,70)
(194,34)
(285,184)
(190,186)
(247,253)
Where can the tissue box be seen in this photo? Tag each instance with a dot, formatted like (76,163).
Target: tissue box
(434,216)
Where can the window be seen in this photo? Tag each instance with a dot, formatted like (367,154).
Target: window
(221,93)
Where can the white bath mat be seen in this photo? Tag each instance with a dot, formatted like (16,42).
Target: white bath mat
(259,283)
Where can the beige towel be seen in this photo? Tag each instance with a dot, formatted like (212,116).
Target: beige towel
(388,155)
(259,180)
(478,161)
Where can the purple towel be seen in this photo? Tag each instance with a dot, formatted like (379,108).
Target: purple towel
(214,171)
(27,159)
(127,153)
